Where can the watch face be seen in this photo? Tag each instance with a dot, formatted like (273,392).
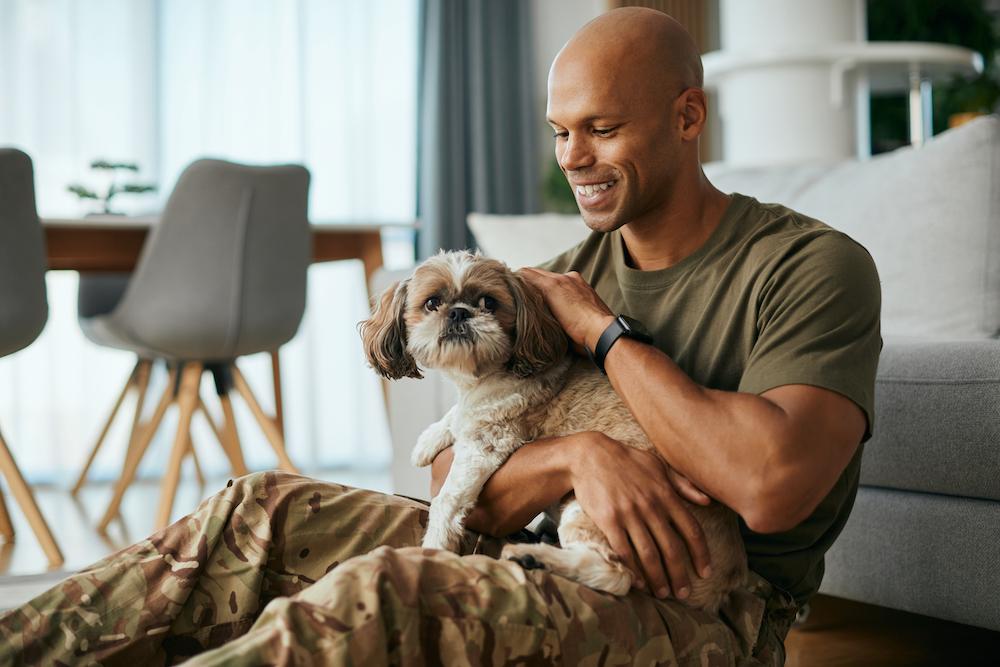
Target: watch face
(632,324)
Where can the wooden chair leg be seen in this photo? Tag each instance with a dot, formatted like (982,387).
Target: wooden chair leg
(142,385)
(279,411)
(228,436)
(187,399)
(134,457)
(266,423)
(6,527)
(22,493)
(129,383)
(197,464)
(203,409)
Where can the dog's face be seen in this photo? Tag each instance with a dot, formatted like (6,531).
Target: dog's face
(462,313)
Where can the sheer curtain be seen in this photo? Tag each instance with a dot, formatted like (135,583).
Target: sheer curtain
(331,85)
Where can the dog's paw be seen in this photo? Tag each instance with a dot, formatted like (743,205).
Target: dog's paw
(439,539)
(430,443)
(520,555)
(422,456)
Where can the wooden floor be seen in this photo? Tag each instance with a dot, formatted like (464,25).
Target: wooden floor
(837,633)
(841,633)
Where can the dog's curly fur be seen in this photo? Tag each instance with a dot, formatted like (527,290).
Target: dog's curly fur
(491,333)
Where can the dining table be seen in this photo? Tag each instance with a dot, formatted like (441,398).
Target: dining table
(107,244)
(113,243)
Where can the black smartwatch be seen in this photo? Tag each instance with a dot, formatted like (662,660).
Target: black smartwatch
(623,325)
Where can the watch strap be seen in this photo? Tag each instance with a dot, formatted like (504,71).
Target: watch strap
(610,336)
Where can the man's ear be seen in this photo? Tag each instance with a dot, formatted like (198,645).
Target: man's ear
(693,113)
(539,340)
(384,336)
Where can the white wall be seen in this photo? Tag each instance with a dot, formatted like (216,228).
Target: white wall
(554,22)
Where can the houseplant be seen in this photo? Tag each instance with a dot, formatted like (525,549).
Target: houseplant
(114,188)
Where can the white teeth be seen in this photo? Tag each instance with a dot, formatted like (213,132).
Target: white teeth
(591,190)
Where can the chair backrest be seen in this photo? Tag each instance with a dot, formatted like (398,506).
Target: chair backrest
(100,293)
(223,274)
(23,306)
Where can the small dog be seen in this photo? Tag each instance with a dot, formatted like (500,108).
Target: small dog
(491,333)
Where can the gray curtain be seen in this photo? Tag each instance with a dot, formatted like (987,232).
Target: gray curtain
(477,125)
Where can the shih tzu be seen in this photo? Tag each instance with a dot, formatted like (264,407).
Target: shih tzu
(489,330)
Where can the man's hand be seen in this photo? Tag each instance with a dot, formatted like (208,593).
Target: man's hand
(632,497)
(580,311)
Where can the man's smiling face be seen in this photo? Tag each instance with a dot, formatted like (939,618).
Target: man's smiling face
(615,145)
(616,96)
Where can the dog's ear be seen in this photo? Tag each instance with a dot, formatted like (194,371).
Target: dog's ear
(539,340)
(384,336)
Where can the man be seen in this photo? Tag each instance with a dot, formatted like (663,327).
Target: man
(757,392)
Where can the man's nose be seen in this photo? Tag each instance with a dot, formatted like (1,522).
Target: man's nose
(458,315)
(576,154)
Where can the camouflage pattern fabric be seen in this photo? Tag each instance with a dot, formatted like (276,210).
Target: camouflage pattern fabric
(282,569)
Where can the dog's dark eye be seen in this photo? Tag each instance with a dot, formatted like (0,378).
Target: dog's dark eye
(488,302)
(432,303)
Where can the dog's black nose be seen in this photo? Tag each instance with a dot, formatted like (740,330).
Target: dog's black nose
(457,315)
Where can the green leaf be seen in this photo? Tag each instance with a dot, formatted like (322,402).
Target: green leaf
(137,188)
(82,192)
(114,166)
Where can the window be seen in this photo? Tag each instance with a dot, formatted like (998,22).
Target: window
(331,85)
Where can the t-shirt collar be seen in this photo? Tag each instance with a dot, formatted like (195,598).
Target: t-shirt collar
(659,278)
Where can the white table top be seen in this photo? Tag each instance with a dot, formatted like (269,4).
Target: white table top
(888,64)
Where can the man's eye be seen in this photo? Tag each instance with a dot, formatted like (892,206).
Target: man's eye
(559,135)
(488,302)
(604,132)
(432,303)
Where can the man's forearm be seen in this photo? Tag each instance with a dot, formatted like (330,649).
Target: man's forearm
(740,448)
(534,478)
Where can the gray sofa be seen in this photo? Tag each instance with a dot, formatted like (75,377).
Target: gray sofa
(924,535)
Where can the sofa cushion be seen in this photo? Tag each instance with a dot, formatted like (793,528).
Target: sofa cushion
(526,240)
(938,407)
(930,218)
(927,554)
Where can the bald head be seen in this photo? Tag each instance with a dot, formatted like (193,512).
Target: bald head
(636,46)
(626,108)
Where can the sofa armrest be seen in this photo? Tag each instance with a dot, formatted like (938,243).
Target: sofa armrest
(937,418)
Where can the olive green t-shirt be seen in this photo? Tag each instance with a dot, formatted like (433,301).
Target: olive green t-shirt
(771,298)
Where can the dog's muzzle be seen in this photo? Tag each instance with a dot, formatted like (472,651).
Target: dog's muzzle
(457,328)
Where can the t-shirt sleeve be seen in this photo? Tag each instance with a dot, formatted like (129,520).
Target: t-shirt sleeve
(818,322)
(562,262)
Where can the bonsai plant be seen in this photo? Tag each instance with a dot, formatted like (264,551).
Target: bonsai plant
(114,188)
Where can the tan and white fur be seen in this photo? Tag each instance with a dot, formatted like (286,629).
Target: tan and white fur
(491,333)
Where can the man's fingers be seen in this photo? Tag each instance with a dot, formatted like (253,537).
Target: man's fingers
(649,559)
(623,547)
(536,276)
(694,538)
(672,549)
(687,489)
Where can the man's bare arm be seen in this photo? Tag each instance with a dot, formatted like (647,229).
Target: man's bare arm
(534,478)
(772,458)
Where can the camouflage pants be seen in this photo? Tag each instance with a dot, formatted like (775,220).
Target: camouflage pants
(278,568)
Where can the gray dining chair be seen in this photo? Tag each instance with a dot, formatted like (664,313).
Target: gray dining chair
(222,275)
(23,312)
(98,294)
